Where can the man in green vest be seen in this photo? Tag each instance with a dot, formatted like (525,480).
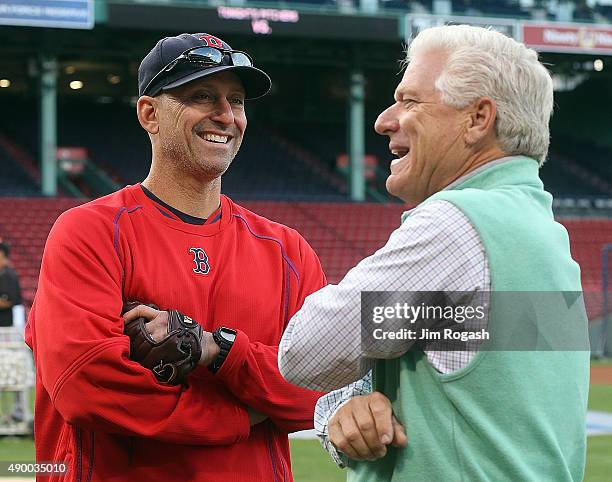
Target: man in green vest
(469,130)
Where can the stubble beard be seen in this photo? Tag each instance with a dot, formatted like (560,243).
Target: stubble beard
(187,161)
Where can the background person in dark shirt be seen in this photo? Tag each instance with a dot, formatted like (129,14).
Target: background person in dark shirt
(10,295)
(10,291)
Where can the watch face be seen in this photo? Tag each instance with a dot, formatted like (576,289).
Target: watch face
(227,334)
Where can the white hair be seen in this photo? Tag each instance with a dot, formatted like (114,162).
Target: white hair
(485,63)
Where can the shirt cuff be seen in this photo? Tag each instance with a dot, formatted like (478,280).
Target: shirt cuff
(340,459)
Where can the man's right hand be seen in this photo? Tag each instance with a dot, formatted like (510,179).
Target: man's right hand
(364,426)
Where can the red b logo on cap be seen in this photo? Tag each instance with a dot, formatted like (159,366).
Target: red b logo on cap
(212,41)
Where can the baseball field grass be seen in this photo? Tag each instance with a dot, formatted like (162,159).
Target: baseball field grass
(311,464)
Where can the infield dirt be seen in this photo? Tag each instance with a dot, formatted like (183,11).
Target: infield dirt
(601,375)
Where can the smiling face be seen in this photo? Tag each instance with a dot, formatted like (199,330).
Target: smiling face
(200,125)
(426,136)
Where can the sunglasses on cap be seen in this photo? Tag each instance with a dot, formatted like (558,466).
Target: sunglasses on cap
(203,56)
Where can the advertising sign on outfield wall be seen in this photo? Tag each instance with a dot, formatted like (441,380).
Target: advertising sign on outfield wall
(48,13)
(568,38)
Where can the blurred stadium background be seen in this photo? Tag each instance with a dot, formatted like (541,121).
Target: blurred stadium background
(310,158)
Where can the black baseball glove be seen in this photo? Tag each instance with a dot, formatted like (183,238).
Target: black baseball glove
(172,358)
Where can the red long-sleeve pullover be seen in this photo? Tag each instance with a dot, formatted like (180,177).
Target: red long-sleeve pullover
(107,417)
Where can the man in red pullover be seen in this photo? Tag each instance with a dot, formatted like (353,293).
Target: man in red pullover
(175,241)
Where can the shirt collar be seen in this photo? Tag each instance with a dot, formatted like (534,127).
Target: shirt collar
(464,178)
(478,170)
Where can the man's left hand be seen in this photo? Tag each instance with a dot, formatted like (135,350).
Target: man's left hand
(169,343)
(157,327)
(364,426)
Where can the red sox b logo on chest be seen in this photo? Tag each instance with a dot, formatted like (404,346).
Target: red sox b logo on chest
(200,258)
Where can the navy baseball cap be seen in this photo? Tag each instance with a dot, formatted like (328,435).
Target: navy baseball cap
(152,81)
